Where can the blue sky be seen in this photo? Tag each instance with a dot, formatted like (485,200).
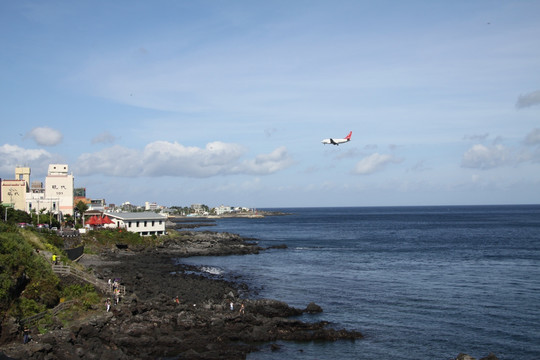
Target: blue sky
(226,102)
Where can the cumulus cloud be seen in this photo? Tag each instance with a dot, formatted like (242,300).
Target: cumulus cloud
(104,138)
(162,158)
(265,164)
(13,155)
(45,136)
(533,138)
(173,159)
(373,163)
(486,157)
(530,99)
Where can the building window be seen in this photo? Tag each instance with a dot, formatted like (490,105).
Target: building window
(153,223)
(137,224)
(145,223)
(129,223)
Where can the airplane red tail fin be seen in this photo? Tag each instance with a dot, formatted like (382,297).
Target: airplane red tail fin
(348,137)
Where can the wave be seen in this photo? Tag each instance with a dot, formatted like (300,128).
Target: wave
(212,270)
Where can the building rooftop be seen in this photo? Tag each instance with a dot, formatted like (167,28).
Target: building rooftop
(147,215)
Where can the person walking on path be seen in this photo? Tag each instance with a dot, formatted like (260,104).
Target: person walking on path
(242,309)
(108,304)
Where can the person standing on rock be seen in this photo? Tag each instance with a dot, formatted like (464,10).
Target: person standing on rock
(242,309)
(232,306)
(26,335)
(108,304)
(116,296)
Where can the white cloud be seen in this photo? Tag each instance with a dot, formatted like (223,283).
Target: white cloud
(373,163)
(173,159)
(13,155)
(45,136)
(265,164)
(162,158)
(104,138)
(486,157)
(113,161)
(533,138)
(530,99)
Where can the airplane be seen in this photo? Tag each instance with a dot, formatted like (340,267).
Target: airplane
(337,141)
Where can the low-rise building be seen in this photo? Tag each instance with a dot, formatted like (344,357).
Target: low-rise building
(148,206)
(144,223)
(14,193)
(222,209)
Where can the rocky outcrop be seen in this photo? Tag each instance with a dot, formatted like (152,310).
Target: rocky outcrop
(462,356)
(160,327)
(149,323)
(208,243)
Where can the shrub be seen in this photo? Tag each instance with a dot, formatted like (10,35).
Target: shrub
(27,282)
(24,308)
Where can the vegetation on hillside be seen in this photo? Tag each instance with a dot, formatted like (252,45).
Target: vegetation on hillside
(115,236)
(28,285)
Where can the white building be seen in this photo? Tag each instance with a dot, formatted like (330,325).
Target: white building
(59,185)
(148,206)
(220,210)
(57,195)
(144,223)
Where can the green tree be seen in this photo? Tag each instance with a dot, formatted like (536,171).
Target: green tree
(15,216)
(81,207)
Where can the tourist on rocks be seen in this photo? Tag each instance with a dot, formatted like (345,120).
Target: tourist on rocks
(232,306)
(242,309)
(55,259)
(108,304)
(117,296)
(176,300)
(26,335)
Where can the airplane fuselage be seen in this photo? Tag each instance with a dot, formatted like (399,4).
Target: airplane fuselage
(337,141)
(334,141)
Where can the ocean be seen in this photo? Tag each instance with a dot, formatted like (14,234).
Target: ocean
(418,282)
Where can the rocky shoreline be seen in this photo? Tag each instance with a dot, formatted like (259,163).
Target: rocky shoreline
(149,324)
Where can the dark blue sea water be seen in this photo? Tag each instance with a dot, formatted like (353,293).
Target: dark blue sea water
(418,282)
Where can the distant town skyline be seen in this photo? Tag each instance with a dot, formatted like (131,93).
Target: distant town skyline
(182,102)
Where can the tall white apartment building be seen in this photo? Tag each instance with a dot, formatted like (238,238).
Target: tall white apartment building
(59,186)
